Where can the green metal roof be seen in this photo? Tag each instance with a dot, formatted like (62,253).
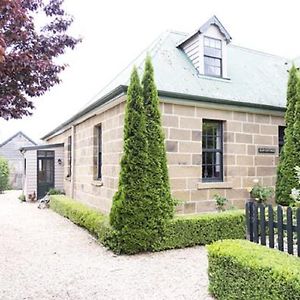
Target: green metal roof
(254,78)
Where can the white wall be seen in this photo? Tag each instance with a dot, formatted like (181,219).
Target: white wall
(30,179)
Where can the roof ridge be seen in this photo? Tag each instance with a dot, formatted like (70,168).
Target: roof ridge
(258,51)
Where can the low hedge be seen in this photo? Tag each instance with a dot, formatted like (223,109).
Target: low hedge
(191,230)
(182,231)
(92,220)
(239,269)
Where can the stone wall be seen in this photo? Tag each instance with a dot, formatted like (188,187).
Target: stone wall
(244,133)
(86,187)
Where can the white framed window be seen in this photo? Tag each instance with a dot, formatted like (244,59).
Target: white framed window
(212,57)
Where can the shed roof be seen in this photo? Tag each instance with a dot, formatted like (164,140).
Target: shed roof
(15,135)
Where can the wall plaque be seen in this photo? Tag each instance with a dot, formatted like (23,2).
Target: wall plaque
(266,150)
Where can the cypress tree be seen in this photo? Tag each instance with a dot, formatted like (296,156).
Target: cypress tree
(157,171)
(286,179)
(130,209)
(296,131)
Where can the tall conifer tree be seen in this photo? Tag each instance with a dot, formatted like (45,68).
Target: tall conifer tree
(130,211)
(158,179)
(286,179)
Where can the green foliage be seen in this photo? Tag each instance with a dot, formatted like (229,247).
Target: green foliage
(92,220)
(157,170)
(295,193)
(22,198)
(221,201)
(53,191)
(290,155)
(130,215)
(243,270)
(143,202)
(261,193)
(180,232)
(186,231)
(4,174)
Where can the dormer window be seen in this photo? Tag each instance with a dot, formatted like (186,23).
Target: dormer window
(207,49)
(212,57)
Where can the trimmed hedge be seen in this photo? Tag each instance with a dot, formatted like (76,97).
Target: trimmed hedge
(191,230)
(239,269)
(92,220)
(180,232)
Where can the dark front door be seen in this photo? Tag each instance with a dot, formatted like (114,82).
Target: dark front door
(45,172)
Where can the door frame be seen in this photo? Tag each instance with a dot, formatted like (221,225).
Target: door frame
(51,158)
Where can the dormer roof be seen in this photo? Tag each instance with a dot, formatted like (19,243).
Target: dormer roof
(212,21)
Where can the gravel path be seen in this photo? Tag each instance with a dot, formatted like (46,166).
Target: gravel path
(44,256)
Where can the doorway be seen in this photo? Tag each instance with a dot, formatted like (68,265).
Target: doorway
(45,172)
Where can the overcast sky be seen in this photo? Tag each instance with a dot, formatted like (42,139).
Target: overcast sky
(115,32)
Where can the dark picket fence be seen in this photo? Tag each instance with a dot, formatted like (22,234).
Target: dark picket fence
(274,228)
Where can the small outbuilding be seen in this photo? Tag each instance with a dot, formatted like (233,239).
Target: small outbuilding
(43,169)
(9,149)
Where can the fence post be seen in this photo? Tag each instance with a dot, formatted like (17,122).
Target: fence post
(255,223)
(271,225)
(262,225)
(289,229)
(249,220)
(280,227)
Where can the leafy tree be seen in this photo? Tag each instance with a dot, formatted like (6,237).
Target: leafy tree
(158,178)
(4,174)
(28,51)
(286,179)
(130,211)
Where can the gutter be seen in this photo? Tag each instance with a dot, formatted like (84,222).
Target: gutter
(219,101)
(115,92)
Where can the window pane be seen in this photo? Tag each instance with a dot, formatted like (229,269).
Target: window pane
(99,139)
(212,154)
(212,52)
(281,130)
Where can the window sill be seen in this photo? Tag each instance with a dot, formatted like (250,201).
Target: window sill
(97,182)
(214,185)
(223,79)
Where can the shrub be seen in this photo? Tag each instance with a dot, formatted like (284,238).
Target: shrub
(220,202)
(186,231)
(4,174)
(22,198)
(92,220)
(243,270)
(53,191)
(261,193)
(180,232)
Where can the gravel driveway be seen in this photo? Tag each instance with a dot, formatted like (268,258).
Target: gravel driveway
(44,256)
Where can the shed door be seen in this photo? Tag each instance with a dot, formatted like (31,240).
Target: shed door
(45,172)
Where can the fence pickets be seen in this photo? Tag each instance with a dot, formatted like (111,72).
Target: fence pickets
(262,227)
